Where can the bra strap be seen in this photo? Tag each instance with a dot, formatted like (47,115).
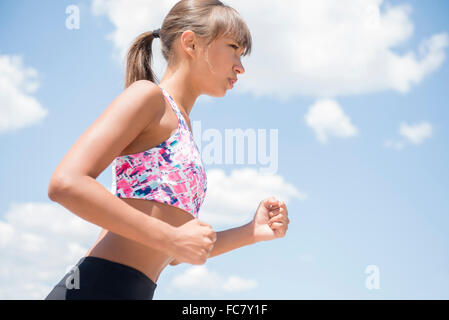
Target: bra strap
(173,105)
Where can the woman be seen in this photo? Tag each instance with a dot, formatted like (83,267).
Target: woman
(159,183)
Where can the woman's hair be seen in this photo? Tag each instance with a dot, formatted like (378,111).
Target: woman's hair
(208,19)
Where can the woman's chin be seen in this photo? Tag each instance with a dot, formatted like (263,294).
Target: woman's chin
(219,94)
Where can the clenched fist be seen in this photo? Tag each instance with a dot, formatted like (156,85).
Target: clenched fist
(193,243)
(271,220)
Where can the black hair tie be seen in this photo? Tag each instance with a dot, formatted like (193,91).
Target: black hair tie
(156,33)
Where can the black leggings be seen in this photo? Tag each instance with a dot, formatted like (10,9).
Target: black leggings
(96,278)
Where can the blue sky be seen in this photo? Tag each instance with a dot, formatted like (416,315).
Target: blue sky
(366,203)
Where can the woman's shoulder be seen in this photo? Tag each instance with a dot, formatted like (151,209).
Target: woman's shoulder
(144,84)
(149,96)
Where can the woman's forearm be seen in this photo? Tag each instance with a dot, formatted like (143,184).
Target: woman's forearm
(88,199)
(231,239)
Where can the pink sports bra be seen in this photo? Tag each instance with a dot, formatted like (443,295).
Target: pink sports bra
(171,173)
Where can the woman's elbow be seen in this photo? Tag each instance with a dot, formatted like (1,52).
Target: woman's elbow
(58,184)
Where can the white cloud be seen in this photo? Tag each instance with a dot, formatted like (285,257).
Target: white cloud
(416,134)
(18,108)
(233,199)
(327,48)
(327,118)
(131,18)
(199,279)
(38,243)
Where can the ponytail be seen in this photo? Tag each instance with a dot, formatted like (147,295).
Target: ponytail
(139,58)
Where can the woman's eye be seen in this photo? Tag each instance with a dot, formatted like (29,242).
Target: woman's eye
(234,46)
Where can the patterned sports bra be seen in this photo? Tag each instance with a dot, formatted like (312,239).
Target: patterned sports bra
(170,173)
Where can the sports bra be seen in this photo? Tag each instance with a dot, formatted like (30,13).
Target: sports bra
(171,172)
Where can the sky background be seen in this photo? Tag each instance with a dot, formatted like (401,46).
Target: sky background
(357,92)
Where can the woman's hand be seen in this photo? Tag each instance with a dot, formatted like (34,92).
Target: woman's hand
(271,220)
(192,243)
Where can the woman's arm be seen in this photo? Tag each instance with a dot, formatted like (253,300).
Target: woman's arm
(232,239)
(73,183)
(88,199)
(270,222)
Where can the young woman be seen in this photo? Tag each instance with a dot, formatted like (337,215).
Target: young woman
(150,219)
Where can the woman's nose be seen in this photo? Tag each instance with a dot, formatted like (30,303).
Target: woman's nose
(239,68)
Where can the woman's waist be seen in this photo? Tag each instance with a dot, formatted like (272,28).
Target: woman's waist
(117,249)
(144,258)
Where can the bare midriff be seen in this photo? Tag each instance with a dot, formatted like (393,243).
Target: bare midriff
(144,258)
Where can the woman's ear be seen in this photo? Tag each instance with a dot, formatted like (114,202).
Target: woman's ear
(188,39)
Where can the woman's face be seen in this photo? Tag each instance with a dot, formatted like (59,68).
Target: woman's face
(218,64)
